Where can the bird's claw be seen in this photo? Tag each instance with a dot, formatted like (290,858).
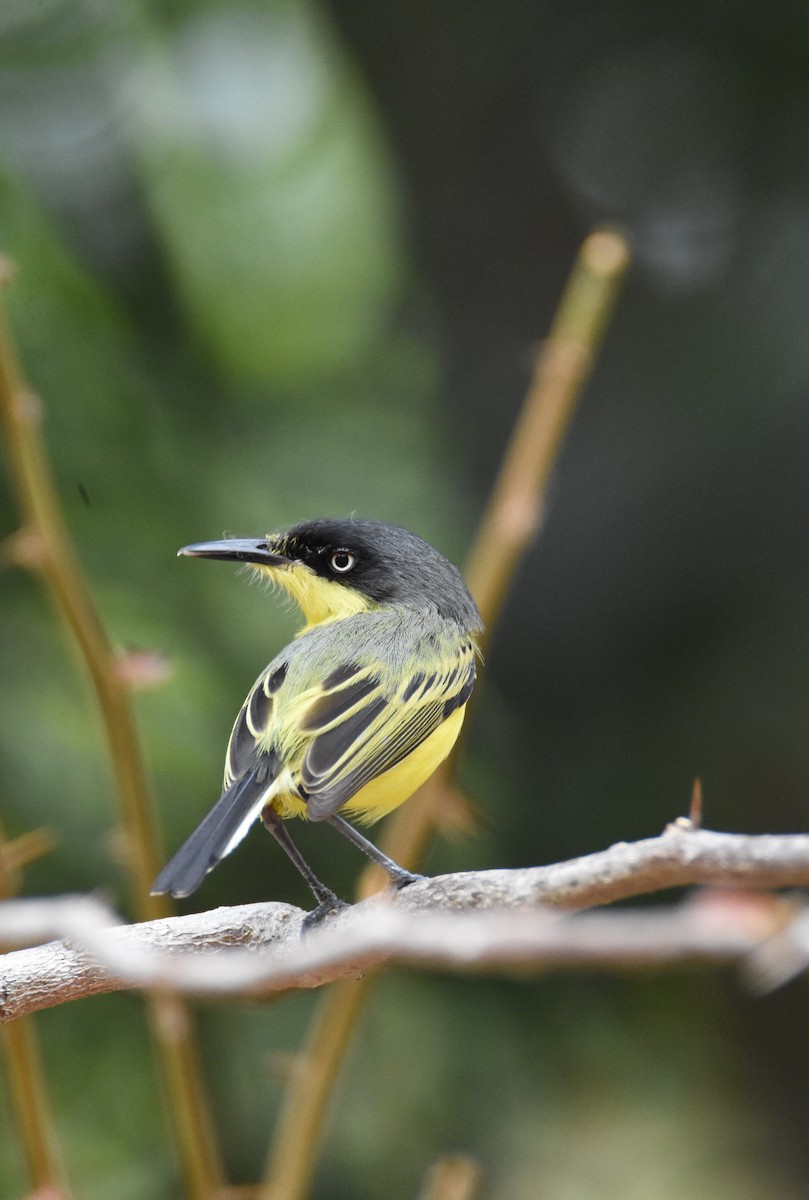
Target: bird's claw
(328,904)
(402,878)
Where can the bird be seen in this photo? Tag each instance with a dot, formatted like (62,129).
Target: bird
(358,710)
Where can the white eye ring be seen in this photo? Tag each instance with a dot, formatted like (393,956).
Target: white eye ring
(342,561)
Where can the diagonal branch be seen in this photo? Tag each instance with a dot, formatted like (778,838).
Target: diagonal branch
(484,921)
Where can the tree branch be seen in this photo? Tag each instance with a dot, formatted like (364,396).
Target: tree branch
(499,921)
(42,544)
(681,855)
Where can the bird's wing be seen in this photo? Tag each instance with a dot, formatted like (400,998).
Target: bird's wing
(360,728)
(255,728)
(221,830)
(334,738)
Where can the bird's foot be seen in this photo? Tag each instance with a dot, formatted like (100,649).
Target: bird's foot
(401,878)
(329,903)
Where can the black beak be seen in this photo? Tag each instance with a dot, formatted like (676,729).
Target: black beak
(236,550)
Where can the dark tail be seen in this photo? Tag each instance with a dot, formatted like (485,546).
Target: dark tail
(229,819)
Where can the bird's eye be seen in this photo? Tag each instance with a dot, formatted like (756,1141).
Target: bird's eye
(342,561)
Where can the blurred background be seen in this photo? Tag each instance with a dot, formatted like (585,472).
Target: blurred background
(286,259)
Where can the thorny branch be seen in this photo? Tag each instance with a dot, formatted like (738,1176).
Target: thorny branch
(503,921)
(42,544)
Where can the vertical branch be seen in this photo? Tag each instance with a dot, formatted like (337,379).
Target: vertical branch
(43,545)
(32,1109)
(28,1088)
(513,515)
(292,1158)
(562,366)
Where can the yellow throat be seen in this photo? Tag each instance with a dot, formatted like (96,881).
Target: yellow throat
(319,599)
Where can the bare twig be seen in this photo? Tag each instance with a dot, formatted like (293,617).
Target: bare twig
(486,920)
(43,545)
(18,853)
(562,366)
(291,1165)
(512,517)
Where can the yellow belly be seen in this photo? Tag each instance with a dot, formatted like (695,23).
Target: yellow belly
(392,788)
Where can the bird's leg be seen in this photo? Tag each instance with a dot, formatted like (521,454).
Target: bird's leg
(327,901)
(399,877)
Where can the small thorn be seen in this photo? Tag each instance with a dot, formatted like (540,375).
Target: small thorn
(456,815)
(694,819)
(454,1177)
(143,670)
(282,1066)
(118,846)
(25,548)
(28,408)
(606,252)
(8,269)
(695,812)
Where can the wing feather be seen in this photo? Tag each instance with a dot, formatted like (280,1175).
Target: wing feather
(336,707)
(320,741)
(380,732)
(221,830)
(338,735)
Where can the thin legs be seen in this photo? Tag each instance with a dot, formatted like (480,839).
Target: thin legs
(398,875)
(327,901)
